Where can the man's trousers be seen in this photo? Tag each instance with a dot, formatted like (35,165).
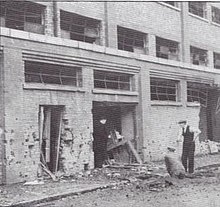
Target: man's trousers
(188,156)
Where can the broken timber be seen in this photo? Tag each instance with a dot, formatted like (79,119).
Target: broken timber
(130,146)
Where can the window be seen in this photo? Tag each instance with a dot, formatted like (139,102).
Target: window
(52,74)
(22,15)
(216,15)
(172,3)
(197,93)
(198,8)
(109,80)
(167,49)
(80,28)
(198,56)
(131,40)
(163,89)
(217,60)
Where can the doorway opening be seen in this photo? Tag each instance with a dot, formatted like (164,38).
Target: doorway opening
(50,123)
(120,124)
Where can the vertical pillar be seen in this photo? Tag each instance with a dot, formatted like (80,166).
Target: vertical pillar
(143,113)
(152,45)
(2,122)
(110,26)
(48,22)
(183,92)
(210,59)
(185,41)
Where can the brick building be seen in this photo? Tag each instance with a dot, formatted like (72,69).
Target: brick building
(145,65)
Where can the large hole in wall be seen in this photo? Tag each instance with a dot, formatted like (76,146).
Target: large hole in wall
(50,130)
(120,124)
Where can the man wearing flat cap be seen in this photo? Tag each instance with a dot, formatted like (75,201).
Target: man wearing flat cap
(189,136)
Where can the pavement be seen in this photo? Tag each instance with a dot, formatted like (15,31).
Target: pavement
(18,195)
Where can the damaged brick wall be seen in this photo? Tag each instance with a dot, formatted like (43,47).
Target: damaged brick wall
(164,128)
(76,139)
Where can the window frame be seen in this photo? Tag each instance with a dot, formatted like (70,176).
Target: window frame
(216,55)
(122,33)
(20,20)
(214,10)
(164,84)
(176,4)
(78,31)
(42,74)
(196,93)
(196,12)
(166,44)
(194,53)
(107,83)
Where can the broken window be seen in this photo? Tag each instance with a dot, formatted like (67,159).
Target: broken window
(197,93)
(217,60)
(172,3)
(198,56)
(167,49)
(198,8)
(163,89)
(22,15)
(80,28)
(216,15)
(36,72)
(131,40)
(109,80)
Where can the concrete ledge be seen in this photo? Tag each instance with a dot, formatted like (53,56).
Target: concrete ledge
(115,92)
(41,86)
(49,198)
(28,36)
(166,103)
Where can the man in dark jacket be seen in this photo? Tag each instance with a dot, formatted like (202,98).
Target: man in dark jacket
(189,135)
(100,141)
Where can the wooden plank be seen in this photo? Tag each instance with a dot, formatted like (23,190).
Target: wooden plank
(54,178)
(115,145)
(58,143)
(134,152)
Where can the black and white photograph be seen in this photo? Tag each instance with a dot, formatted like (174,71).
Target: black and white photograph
(109,103)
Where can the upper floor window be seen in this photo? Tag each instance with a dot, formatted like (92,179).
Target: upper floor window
(216,15)
(217,60)
(172,3)
(167,49)
(80,28)
(131,40)
(110,80)
(198,56)
(22,15)
(36,72)
(163,89)
(198,8)
(197,93)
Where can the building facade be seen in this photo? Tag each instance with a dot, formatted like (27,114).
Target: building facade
(144,65)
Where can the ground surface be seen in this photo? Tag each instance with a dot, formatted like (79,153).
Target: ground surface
(134,186)
(202,192)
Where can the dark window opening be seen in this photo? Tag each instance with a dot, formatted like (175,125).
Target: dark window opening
(198,8)
(22,15)
(131,40)
(163,89)
(52,74)
(197,93)
(80,28)
(216,15)
(198,56)
(167,49)
(217,60)
(110,80)
(172,3)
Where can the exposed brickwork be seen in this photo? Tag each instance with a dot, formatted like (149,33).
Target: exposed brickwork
(154,127)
